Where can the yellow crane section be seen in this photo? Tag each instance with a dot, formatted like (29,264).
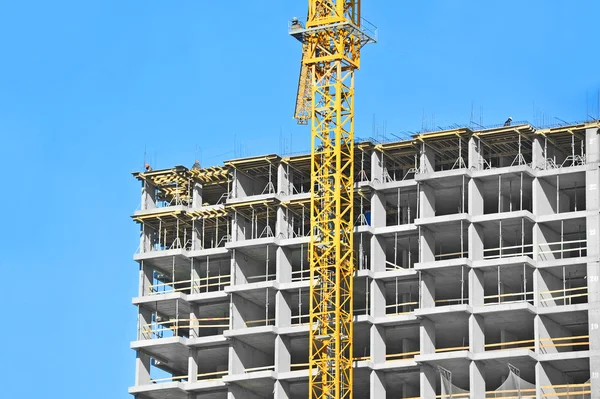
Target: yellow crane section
(331,37)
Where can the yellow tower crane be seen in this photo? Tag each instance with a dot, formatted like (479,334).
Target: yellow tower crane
(331,37)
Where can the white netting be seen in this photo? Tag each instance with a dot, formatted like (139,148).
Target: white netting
(513,386)
(450,389)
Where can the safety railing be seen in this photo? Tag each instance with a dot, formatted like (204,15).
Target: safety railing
(452,255)
(401,356)
(508,252)
(463,395)
(573,249)
(180,327)
(203,284)
(564,342)
(451,349)
(514,297)
(567,391)
(262,277)
(300,320)
(571,160)
(215,375)
(511,393)
(522,344)
(401,308)
(390,266)
(454,301)
(262,368)
(566,296)
(178,378)
(300,275)
(260,323)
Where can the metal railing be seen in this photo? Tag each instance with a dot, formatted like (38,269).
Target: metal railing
(567,390)
(577,292)
(520,297)
(561,342)
(579,248)
(452,255)
(508,252)
(522,344)
(199,285)
(397,307)
(175,327)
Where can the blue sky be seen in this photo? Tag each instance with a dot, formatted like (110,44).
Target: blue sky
(86,87)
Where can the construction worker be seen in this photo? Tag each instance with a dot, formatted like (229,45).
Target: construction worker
(508,121)
(148,168)
(196,165)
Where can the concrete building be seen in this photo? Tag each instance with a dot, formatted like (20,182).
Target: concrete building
(477,274)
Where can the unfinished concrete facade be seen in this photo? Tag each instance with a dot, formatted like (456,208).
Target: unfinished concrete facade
(477,271)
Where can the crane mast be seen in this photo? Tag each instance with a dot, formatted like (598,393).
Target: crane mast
(332,38)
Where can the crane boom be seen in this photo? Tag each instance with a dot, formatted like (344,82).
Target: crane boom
(331,42)
(303,97)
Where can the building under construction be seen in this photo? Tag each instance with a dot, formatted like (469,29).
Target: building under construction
(476,257)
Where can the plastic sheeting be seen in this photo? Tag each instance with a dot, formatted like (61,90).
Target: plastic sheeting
(449,388)
(511,387)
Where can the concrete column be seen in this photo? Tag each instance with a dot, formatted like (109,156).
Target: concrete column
(427,337)
(281,390)
(427,201)
(283,311)
(427,290)
(592,140)
(197,234)
(196,276)
(238,227)
(378,344)
(243,311)
(476,380)
(427,159)
(427,379)
(194,325)
(476,287)
(377,166)
(543,197)
(475,197)
(475,160)
(243,356)
(284,186)
(146,278)
(378,259)
(148,196)
(538,157)
(378,211)
(142,368)
(377,298)
(377,385)
(193,365)
(281,224)
(476,334)
(427,245)
(197,195)
(146,234)
(144,321)
(283,265)
(283,354)
(475,245)
(242,185)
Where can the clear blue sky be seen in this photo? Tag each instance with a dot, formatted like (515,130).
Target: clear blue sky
(85,86)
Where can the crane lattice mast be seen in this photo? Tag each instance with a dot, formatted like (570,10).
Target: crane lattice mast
(332,38)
